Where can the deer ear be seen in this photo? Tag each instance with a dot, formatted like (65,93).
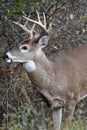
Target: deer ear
(43,41)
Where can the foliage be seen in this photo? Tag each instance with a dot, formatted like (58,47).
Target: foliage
(26,118)
(71,16)
(75,126)
(84,19)
(24,7)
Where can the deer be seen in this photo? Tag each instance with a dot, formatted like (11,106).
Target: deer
(62,80)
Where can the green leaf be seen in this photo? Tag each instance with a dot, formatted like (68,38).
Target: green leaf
(71,16)
(17,127)
(9,14)
(84,19)
(83,30)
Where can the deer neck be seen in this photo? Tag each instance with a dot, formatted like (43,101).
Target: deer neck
(41,68)
(41,61)
(38,63)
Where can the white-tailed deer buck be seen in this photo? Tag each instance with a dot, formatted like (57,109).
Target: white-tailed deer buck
(62,80)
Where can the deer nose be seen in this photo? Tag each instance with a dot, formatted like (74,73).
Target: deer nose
(5,57)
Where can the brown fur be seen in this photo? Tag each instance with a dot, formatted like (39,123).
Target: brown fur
(62,80)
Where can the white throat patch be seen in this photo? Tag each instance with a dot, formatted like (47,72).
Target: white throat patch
(29,66)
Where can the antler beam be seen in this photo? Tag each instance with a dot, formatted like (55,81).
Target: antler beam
(39,23)
(31,31)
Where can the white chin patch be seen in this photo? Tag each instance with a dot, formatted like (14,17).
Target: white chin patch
(29,66)
(8,60)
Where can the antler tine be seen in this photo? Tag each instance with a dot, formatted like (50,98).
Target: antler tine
(32,29)
(30,32)
(26,23)
(23,27)
(43,26)
(38,16)
(44,19)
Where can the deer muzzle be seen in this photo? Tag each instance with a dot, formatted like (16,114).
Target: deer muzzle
(8,57)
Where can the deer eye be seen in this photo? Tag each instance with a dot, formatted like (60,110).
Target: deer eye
(24,48)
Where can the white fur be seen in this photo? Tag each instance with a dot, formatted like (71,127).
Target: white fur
(10,55)
(8,60)
(23,51)
(57,118)
(29,66)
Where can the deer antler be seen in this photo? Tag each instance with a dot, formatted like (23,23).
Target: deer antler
(43,26)
(31,31)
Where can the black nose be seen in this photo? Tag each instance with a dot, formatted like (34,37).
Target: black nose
(5,57)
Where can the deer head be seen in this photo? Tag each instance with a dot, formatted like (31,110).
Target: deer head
(31,45)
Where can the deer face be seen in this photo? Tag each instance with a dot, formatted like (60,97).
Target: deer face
(30,47)
(26,51)
(22,54)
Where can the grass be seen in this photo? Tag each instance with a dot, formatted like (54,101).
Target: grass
(75,126)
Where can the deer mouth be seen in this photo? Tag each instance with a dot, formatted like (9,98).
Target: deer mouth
(9,58)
